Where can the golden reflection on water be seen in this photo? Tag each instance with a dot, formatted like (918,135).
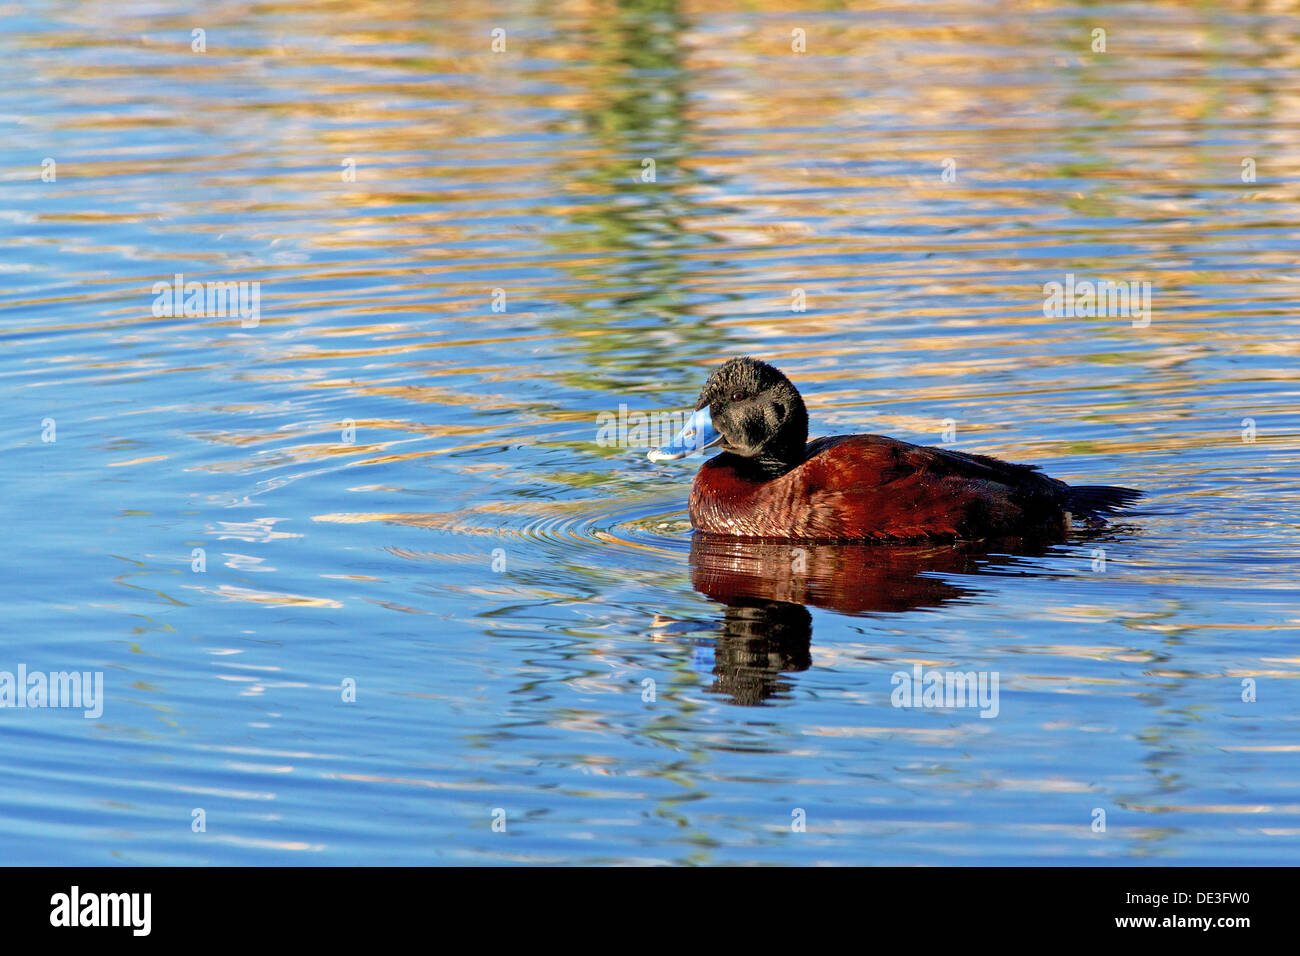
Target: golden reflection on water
(774,170)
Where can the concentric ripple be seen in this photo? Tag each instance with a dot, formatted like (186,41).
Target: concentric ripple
(649,529)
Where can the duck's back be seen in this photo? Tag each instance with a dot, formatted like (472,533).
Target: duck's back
(873,487)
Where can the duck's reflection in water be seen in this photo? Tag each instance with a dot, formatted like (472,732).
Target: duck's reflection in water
(758,643)
(766,630)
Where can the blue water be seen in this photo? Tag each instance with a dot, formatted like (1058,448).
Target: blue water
(392,487)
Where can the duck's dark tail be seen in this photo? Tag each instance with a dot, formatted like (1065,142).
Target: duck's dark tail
(1091,501)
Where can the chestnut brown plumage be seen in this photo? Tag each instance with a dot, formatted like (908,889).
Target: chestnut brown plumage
(769,482)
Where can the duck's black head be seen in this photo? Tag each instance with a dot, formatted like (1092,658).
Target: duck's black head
(749,409)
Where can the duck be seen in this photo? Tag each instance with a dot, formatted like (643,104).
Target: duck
(769,481)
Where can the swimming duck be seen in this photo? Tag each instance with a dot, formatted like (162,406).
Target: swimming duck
(769,481)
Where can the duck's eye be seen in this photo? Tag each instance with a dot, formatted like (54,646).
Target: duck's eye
(737,396)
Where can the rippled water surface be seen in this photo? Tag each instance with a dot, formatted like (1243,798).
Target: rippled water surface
(394,478)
